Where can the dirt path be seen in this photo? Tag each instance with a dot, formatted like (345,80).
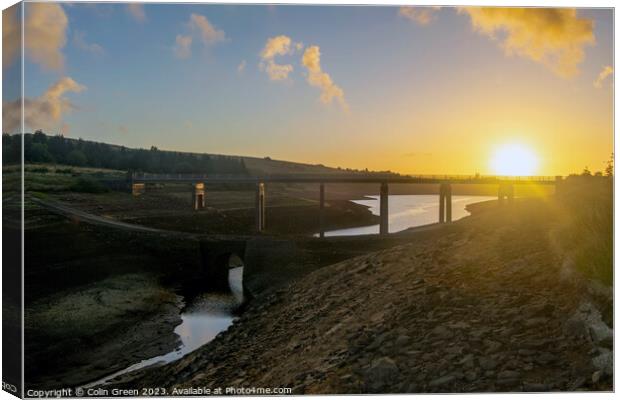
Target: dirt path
(484,308)
(72,212)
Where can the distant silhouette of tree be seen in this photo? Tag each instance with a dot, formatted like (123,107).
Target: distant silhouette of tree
(77,158)
(586,172)
(609,169)
(39,147)
(40,153)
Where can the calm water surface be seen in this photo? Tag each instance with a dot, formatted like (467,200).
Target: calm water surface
(406,211)
(207,315)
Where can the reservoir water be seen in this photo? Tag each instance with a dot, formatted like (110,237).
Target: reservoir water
(206,316)
(406,211)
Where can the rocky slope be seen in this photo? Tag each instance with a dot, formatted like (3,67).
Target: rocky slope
(485,306)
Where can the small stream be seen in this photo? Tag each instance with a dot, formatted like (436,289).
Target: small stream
(207,315)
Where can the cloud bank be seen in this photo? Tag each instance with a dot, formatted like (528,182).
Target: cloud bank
(45,30)
(11,36)
(605,72)
(43,112)
(554,37)
(316,77)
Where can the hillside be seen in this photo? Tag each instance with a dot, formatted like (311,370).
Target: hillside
(42,148)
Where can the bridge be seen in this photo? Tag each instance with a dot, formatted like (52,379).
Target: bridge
(199,182)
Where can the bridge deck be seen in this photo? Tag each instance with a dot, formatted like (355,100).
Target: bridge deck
(192,178)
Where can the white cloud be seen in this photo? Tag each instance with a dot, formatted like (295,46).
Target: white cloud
(316,77)
(182,47)
(43,112)
(554,37)
(136,10)
(80,42)
(605,72)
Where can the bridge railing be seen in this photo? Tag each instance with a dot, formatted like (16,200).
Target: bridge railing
(339,177)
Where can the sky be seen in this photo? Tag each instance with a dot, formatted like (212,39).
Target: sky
(418,90)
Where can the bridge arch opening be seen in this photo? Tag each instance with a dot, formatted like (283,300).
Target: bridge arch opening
(230,272)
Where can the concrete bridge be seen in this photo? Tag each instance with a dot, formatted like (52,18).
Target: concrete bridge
(505,191)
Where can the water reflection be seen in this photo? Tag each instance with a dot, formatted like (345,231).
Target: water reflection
(207,315)
(406,211)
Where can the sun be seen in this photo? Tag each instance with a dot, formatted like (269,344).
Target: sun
(514,159)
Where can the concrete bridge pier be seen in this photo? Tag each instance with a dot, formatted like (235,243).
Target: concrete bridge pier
(138,189)
(505,191)
(260,207)
(383,210)
(445,203)
(198,196)
(322,210)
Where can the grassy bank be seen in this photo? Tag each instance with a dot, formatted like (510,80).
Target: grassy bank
(586,231)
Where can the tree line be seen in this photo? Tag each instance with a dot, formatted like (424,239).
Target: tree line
(41,148)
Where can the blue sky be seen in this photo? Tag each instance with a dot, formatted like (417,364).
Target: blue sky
(427,97)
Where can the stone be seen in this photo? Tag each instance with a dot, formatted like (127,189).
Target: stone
(442,332)
(471,376)
(536,387)
(381,372)
(487,363)
(492,345)
(536,322)
(545,358)
(604,361)
(467,361)
(506,382)
(402,340)
(596,377)
(508,374)
(460,325)
(443,381)
(575,327)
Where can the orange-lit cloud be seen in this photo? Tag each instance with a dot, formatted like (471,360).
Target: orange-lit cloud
(45,28)
(316,77)
(182,46)
(199,26)
(277,46)
(555,37)
(419,15)
(605,72)
(11,35)
(136,10)
(208,33)
(43,112)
